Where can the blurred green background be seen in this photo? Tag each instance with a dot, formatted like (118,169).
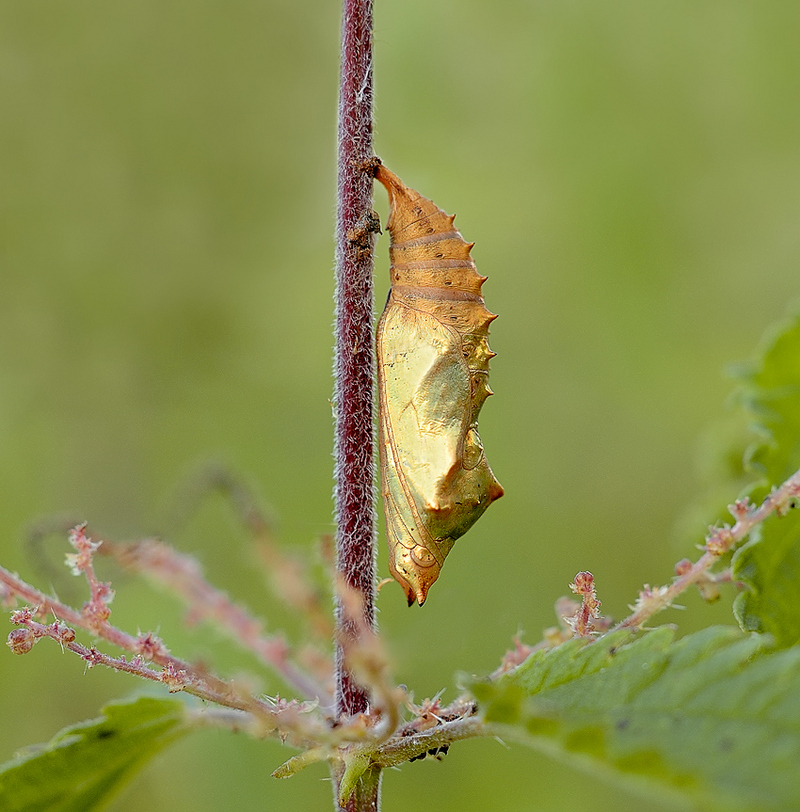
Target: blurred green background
(630,173)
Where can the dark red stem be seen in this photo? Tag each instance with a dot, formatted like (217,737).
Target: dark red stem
(354,365)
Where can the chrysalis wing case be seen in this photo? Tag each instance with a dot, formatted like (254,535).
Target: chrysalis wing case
(433,369)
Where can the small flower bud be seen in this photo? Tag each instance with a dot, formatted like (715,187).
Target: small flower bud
(173,678)
(96,612)
(21,641)
(150,646)
(583,584)
(62,632)
(719,540)
(740,508)
(20,616)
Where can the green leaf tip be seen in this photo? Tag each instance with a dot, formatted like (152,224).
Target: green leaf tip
(713,717)
(83,766)
(299,762)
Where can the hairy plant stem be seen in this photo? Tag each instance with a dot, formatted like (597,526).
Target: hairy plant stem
(354,359)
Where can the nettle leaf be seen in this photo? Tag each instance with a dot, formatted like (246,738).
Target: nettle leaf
(713,717)
(771,392)
(769,567)
(769,564)
(84,765)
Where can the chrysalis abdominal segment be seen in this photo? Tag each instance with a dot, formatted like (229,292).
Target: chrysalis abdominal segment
(433,369)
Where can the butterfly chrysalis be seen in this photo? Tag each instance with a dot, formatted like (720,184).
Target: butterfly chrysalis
(433,368)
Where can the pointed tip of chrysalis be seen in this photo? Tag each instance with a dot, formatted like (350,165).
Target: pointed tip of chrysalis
(414,594)
(420,595)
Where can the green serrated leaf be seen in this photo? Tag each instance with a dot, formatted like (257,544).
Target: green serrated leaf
(771,393)
(769,565)
(714,717)
(85,765)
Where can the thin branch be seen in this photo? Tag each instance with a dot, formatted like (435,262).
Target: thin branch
(584,619)
(269,718)
(398,750)
(183,576)
(147,646)
(719,541)
(177,674)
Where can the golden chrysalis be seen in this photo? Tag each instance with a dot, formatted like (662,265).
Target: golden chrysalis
(433,369)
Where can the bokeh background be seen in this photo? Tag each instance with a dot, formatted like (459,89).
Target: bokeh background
(630,173)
